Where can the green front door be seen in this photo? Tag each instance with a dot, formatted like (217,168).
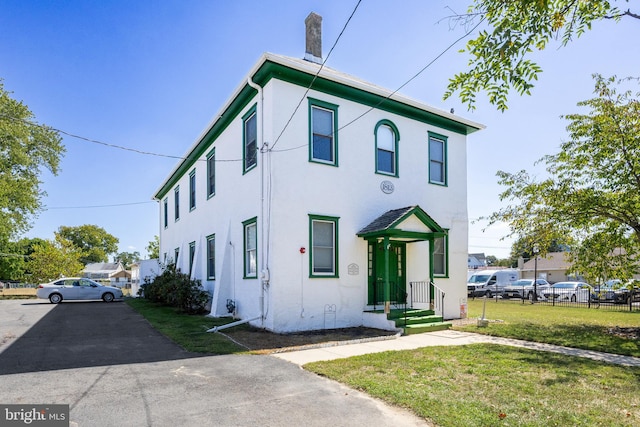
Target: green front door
(396,272)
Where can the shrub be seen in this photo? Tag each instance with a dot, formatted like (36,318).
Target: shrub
(176,289)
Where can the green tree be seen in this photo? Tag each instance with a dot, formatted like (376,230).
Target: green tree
(14,258)
(94,242)
(592,193)
(52,259)
(499,57)
(127,258)
(153,248)
(26,148)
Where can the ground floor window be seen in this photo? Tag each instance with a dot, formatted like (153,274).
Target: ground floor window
(250,248)
(440,258)
(323,238)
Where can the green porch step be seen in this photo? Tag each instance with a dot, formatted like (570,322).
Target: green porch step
(417,321)
(426,327)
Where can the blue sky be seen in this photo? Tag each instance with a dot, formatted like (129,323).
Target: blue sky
(150,75)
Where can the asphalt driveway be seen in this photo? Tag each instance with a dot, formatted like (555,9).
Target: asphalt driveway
(113,369)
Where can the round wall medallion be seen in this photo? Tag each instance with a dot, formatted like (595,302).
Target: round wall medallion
(387,187)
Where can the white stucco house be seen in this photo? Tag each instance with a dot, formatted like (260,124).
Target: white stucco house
(314,198)
(143,271)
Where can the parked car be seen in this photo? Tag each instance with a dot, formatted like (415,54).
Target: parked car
(617,292)
(570,291)
(490,282)
(524,288)
(77,288)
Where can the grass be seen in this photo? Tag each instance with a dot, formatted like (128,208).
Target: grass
(492,385)
(567,326)
(480,384)
(186,330)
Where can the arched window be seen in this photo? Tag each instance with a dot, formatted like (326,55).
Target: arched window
(387,138)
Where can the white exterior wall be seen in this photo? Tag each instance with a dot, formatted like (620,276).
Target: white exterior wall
(352,192)
(143,270)
(293,189)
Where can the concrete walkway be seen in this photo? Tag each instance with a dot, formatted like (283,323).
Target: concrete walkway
(440,338)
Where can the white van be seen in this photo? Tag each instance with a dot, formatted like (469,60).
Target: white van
(490,282)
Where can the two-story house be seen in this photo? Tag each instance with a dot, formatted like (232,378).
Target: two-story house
(314,197)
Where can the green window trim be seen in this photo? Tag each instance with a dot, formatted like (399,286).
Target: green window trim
(192,190)
(438,164)
(322,106)
(320,249)
(250,248)
(445,254)
(211,257)
(176,203)
(396,136)
(250,139)
(211,173)
(192,255)
(165,214)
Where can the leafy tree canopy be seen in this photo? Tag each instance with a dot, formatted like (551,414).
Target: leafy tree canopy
(592,193)
(499,56)
(94,242)
(26,148)
(127,258)
(52,259)
(153,248)
(14,258)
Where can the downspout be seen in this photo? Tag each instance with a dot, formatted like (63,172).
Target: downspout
(263,150)
(232,324)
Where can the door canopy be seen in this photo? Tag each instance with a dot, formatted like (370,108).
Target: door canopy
(410,224)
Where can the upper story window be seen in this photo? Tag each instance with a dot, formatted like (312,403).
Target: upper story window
(250,140)
(250,248)
(323,132)
(387,138)
(211,173)
(165,212)
(324,248)
(437,159)
(192,190)
(176,204)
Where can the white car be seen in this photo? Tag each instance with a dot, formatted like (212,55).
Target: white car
(569,291)
(77,288)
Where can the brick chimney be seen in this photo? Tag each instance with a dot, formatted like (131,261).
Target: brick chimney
(313,50)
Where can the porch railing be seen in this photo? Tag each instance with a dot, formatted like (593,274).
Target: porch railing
(423,292)
(397,294)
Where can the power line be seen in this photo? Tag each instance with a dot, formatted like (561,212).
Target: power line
(98,206)
(395,91)
(119,147)
(315,77)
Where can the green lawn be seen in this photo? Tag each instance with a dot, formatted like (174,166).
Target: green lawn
(492,385)
(188,331)
(585,328)
(480,384)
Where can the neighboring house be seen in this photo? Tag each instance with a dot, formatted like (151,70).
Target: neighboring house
(554,267)
(475,261)
(143,271)
(108,273)
(303,209)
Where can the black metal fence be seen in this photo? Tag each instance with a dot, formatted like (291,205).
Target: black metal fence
(618,300)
